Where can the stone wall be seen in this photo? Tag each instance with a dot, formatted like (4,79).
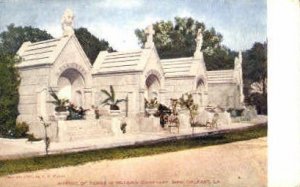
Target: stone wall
(124,84)
(223,95)
(34,97)
(175,87)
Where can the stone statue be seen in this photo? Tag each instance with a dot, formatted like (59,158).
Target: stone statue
(240,56)
(199,40)
(149,32)
(238,61)
(239,74)
(67,23)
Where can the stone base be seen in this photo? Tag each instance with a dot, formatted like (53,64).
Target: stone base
(82,129)
(151,124)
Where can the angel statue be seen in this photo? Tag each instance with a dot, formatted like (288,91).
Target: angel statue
(67,23)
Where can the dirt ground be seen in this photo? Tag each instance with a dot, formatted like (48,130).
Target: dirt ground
(238,164)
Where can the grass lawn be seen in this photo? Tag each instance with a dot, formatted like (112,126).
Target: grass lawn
(71,159)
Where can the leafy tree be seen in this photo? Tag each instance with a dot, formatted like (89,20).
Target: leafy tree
(255,71)
(174,40)
(91,44)
(9,96)
(255,64)
(12,39)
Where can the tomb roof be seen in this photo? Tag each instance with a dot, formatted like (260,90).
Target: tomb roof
(41,53)
(125,61)
(177,66)
(220,76)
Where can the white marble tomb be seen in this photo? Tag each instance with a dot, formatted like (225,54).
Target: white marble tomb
(62,65)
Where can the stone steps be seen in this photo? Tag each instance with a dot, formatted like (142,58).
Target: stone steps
(84,131)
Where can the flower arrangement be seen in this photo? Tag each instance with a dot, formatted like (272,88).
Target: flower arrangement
(152,104)
(186,101)
(76,112)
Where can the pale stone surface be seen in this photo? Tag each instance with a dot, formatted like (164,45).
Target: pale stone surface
(97,135)
(249,113)
(204,117)
(184,120)
(224,118)
(241,163)
(62,65)
(116,126)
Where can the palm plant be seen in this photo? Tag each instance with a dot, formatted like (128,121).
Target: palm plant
(111,99)
(60,104)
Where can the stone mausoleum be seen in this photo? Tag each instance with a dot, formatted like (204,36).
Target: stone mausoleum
(62,65)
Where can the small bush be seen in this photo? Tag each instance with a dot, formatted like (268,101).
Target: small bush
(76,113)
(21,130)
(260,101)
(123,127)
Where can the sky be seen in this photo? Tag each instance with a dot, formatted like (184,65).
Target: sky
(241,22)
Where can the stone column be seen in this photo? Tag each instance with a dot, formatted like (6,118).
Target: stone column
(162,97)
(88,103)
(141,101)
(50,107)
(87,98)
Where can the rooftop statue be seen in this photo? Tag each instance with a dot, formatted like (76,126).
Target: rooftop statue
(199,40)
(67,23)
(149,32)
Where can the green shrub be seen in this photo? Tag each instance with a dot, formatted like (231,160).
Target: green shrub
(260,101)
(76,113)
(21,130)
(9,96)
(123,127)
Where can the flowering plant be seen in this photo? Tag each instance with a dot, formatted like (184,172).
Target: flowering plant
(152,104)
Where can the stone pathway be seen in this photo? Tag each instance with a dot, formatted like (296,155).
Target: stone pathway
(10,148)
(242,163)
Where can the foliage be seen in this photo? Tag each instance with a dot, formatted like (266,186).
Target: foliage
(260,101)
(46,138)
(152,104)
(21,130)
(12,39)
(123,127)
(163,112)
(255,65)
(91,44)
(178,40)
(235,112)
(60,104)
(9,95)
(111,99)
(76,112)
(255,72)
(187,101)
(56,161)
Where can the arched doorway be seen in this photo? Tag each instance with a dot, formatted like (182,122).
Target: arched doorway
(152,87)
(70,85)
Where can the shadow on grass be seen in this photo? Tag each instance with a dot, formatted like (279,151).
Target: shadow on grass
(54,161)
